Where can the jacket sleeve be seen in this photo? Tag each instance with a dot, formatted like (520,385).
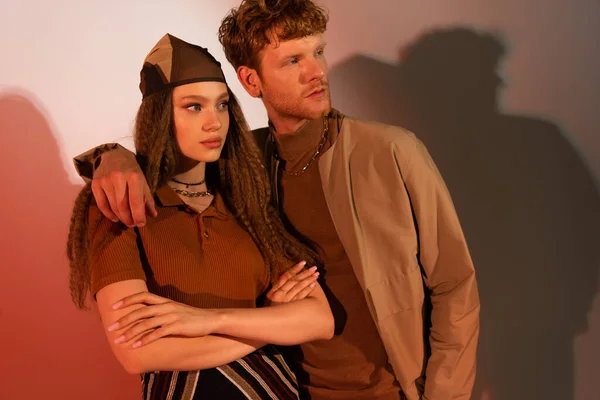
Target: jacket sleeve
(449,276)
(86,163)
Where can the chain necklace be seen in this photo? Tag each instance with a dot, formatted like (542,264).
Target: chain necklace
(188,184)
(188,193)
(315,155)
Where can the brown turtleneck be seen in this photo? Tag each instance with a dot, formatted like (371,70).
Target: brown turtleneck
(352,365)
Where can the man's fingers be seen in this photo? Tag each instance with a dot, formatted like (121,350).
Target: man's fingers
(114,194)
(137,203)
(150,205)
(102,202)
(124,186)
(122,200)
(109,191)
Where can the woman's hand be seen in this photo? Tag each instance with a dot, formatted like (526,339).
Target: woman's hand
(162,317)
(294,284)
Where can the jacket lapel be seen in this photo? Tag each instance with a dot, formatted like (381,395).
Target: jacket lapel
(335,171)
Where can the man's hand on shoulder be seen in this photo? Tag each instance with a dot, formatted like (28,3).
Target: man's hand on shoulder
(121,190)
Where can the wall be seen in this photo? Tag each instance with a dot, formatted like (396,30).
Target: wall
(505,95)
(69,72)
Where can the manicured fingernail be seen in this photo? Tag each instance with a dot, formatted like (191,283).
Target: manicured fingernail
(113,327)
(316,274)
(141,224)
(117,305)
(115,220)
(137,344)
(312,269)
(313,284)
(120,339)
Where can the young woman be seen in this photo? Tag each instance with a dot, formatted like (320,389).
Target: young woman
(178,297)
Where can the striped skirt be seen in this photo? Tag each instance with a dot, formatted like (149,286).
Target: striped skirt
(262,374)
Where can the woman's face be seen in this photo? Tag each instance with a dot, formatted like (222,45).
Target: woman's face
(201,118)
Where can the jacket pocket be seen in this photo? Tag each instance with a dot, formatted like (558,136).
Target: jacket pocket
(398,292)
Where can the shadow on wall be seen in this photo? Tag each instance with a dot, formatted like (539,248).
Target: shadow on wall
(527,203)
(50,350)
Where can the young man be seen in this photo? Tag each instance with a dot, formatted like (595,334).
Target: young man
(366,195)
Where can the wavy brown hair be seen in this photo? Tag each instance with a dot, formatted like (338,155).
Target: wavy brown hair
(239,176)
(247,29)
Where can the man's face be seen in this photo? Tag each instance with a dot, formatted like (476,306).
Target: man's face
(293,81)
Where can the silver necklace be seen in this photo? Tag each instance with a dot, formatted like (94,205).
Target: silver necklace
(189,193)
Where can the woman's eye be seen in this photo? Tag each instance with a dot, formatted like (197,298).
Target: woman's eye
(193,107)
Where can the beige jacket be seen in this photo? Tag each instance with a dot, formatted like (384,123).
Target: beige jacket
(398,225)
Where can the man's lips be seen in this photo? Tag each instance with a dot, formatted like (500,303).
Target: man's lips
(317,92)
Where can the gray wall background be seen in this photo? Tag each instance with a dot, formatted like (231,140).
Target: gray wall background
(505,94)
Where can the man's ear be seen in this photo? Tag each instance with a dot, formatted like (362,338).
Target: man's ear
(250,80)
